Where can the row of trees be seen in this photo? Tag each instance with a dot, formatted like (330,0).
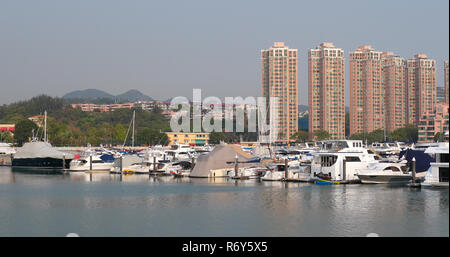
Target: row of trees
(302,136)
(409,133)
(69,126)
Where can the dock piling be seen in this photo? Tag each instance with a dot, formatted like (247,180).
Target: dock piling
(286,169)
(413,182)
(344,170)
(121,164)
(236,166)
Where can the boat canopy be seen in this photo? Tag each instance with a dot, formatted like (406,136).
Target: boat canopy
(423,160)
(223,156)
(107,158)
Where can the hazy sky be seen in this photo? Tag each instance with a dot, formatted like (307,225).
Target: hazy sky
(166,48)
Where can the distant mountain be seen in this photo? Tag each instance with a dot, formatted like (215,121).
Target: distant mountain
(94,95)
(88,94)
(134,95)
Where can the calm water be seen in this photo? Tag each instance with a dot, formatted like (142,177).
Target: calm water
(137,205)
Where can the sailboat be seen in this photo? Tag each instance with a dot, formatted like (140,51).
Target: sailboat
(41,154)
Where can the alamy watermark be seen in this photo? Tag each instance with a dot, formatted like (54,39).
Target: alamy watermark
(210,114)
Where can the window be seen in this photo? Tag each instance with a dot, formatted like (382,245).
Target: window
(352,159)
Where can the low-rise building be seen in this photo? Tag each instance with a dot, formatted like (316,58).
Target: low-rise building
(184,138)
(38,119)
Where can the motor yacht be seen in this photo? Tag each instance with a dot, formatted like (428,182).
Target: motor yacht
(340,160)
(99,163)
(437,174)
(6,148)
(385,173)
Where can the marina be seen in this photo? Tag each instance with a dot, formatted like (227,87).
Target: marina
(337,188)
(104,204)
(335,161)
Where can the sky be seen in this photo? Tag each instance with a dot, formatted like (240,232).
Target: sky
(165,49)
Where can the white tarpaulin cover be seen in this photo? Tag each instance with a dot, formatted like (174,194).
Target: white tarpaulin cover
(222,156)
(127,160)
(40,150)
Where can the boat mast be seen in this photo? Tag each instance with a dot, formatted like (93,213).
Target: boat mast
(45,126)
(132,135)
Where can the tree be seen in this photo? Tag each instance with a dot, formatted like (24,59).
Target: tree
(24,131)
(148,136)
(409,133)
(300,136)
(119,134)
(321,135)
(216,137)
(439,137)
(6,137)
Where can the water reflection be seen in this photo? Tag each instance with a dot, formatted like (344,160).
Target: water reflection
(103,204)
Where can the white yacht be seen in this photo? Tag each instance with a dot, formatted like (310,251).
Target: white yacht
(178,168)
(328,163)
(6,148)
(299,171)
(385,173)
(99,163)
(437,174)
(276,171)
(387,149)
(179,152)
(254,172)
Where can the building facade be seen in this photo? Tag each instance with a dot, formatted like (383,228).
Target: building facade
(164,107)
(440,95)
(432,123)
(394,70)
(446,81)
(421,87)
(279,71)
(366,91)
(192,139)
(7,127)
(326,90)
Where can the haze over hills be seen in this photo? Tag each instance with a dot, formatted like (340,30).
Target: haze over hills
(132,95)
(101,97)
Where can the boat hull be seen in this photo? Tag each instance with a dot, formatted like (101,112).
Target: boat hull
(95,167)
(42,163)
(379,179)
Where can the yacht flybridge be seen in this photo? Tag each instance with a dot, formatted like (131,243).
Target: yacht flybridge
(437,174)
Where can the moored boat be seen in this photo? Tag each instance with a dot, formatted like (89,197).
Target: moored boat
(99,163)
(385,173)
(437,175)
(326,182)
(38,154)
